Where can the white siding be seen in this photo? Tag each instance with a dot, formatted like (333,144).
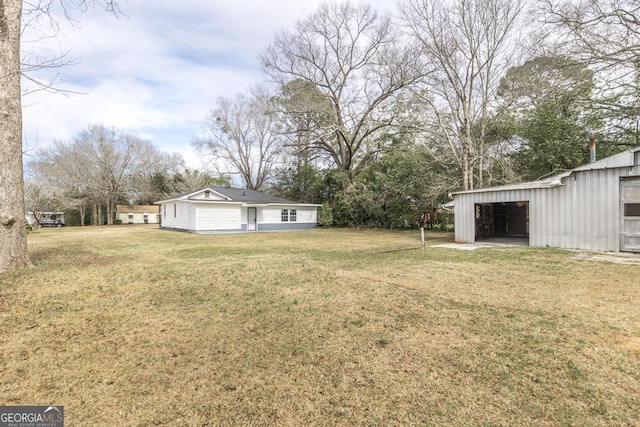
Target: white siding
(187,215)
(183,218)
(166,215)
(270,215)
(138,218)
(308,215)
(243,215)
(273,215)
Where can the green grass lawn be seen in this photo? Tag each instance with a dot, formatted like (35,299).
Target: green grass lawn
(137,326)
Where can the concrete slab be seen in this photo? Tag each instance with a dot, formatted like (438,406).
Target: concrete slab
(474,246)
(612,257)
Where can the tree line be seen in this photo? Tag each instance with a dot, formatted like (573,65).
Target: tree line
(380,116)
(101,167)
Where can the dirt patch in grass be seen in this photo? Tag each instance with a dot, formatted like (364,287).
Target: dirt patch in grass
(630,343)
(138,326)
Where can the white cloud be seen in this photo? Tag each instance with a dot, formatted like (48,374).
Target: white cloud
(158,70)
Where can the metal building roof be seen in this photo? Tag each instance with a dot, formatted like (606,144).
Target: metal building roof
(627,158)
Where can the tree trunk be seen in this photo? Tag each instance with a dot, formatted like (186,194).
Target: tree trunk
(467,170)
(110,212)
(83,210)
(13,232)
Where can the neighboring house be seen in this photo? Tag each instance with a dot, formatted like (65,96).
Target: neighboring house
(50,216)
(138,214)
(219,209)
(594,207)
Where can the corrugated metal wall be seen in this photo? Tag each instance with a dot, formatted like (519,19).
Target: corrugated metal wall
(583,213)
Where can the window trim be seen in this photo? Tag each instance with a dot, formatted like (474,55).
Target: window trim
(288,215)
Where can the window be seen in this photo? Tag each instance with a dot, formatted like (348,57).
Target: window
(288,215)
(164,209)
(175,210)
(130,216)
(632,209)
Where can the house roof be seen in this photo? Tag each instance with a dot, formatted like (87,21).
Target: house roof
(137,208)
(627,158)
(249,196)
(235,195)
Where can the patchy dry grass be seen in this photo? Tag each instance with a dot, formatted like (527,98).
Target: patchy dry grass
(137,326)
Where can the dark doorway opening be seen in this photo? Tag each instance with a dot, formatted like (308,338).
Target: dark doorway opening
(504,220)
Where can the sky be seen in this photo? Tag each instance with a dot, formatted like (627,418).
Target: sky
(156,70)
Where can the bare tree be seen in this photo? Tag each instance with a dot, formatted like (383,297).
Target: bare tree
(151,172)
(596,31)
(109,157)
(606,35)
(13,239)
(468,44)
(356,60)
(98,166)
(243,137)
(64,171)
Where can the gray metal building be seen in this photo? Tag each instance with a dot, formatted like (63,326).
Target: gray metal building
(595,207)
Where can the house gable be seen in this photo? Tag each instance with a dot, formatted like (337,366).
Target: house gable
(208,194)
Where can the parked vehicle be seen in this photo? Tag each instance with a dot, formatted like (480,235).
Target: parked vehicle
(51,223)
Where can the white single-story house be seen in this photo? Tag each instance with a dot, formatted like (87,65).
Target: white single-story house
(593,207)
(221,209)
(138,214)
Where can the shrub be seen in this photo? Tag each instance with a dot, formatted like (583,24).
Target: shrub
(325,216)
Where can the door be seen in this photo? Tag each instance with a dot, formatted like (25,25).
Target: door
(630,212)
(252,219)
